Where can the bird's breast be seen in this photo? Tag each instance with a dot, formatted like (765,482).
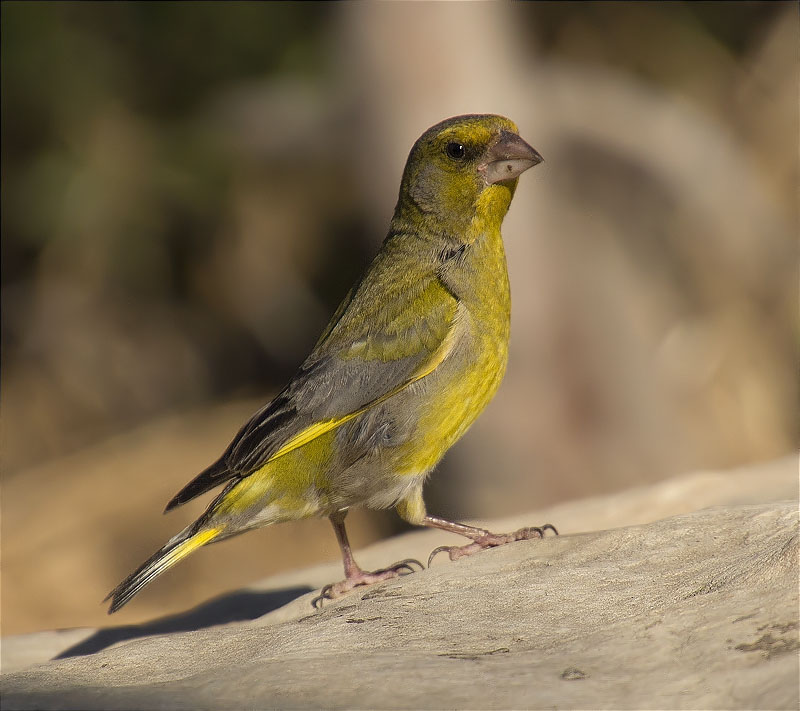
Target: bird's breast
(451,398)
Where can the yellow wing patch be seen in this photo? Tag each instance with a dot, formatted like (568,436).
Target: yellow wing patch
(317,429)
(320,428)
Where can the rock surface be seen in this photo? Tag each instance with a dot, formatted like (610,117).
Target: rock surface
(698,610)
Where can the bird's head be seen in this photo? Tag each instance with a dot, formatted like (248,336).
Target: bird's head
(462,172)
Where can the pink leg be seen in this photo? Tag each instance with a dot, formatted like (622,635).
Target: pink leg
(354,575)
(481,538)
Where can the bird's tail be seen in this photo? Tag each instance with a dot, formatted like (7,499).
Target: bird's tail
(175,550)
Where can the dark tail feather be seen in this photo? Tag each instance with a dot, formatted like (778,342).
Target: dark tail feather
(218,473)
(176,550)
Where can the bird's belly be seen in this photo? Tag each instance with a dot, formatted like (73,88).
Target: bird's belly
(427,418)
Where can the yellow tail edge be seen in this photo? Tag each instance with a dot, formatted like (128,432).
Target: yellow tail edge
(160,562)
(191,544)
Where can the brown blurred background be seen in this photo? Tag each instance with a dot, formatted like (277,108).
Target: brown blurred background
(188,190)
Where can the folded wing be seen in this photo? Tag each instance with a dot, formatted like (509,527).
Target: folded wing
(387,334)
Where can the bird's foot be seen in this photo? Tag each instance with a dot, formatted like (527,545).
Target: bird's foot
(362,577)
(489,540)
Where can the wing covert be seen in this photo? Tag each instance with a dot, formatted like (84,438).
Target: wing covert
(351,370)
(383,337)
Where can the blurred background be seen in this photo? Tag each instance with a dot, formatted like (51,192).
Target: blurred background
(189,189)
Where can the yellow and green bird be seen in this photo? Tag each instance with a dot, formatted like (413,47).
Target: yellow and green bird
(411,357)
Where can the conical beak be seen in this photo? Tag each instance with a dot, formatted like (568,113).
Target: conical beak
(508,158)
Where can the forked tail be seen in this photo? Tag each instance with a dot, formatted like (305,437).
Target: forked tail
(174,551)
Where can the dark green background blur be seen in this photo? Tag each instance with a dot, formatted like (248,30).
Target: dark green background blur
(188,189)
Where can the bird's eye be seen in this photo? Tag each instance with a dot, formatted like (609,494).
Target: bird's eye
(456,151)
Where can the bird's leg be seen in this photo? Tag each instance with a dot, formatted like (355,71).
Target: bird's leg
(481,538)
(354,576)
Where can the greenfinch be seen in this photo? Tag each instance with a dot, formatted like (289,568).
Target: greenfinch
(411,357)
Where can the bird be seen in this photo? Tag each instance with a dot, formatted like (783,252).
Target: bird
(414,353)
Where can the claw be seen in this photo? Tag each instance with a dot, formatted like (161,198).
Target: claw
(407,564)
(324,594)
(436,551)
(550,526)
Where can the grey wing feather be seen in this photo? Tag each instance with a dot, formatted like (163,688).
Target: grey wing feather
(366,351)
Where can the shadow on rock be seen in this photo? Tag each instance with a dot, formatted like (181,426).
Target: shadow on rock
(235,607)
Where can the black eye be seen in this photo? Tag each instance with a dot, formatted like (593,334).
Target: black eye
(455,150)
